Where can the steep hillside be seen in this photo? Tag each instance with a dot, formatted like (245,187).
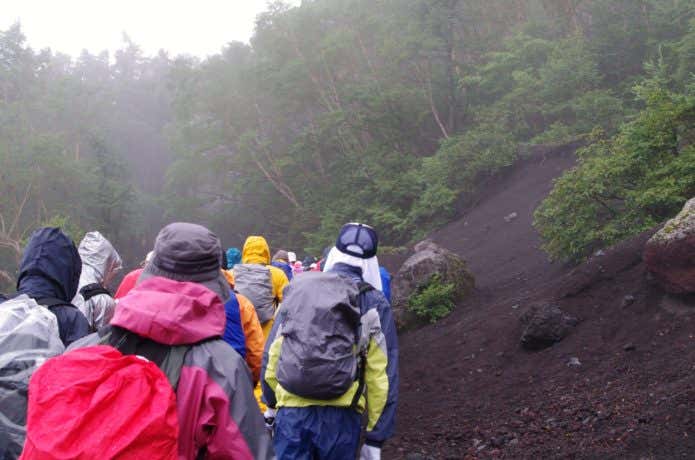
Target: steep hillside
(469,390)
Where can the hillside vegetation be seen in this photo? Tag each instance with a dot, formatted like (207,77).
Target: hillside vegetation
(393,112)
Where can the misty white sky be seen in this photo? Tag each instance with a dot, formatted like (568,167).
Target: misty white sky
(196,27)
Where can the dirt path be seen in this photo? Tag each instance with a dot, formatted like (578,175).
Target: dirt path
(469,391)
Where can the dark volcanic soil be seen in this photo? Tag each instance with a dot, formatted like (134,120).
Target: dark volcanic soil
(468,390)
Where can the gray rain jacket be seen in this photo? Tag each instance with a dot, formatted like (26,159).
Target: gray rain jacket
(100,263)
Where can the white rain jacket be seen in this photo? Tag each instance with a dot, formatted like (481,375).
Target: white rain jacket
(100,263)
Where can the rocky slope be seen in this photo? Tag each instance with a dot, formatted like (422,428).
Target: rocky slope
(620,385)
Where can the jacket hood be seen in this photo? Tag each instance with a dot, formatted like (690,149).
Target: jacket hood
(171,312)
(233,257)
(50,266)
(100,261)
(256,251)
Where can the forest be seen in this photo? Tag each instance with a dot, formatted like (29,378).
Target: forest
(391,112)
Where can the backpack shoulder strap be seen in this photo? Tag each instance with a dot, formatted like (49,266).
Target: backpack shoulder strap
(173,362)
(363,288)
(92,290)
(53,302)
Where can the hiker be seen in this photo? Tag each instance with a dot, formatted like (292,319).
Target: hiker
(281,260)
(233,258)
(253,333)
(259,281)
(49,273)
(291,257)
(130,280)
(29,336)
(297,268)
(385,282)
(100,263)
(179,301)
(329,317)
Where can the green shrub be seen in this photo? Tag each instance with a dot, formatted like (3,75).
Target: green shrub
(434,300)
(628,184)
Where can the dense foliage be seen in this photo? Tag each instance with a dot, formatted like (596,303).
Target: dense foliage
(394,112)
(81,145)
(627,184)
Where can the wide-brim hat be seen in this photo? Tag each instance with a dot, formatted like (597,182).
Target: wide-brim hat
(188,252)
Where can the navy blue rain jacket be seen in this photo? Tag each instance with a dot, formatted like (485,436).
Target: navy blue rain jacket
(50,268)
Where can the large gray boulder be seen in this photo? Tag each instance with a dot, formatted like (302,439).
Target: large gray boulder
(670,253)
(429,260)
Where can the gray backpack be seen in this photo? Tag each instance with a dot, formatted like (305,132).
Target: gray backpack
(323,347)
(255,282)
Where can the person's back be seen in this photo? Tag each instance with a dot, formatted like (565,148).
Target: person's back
(100,263)
(217,410)
(300,416)
(260,282)
(29,335)
(49,272)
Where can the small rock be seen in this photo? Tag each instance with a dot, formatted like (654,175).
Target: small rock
(514,442)
(510,217)
(629,347)
(415,456)
(600,253)
(628,300)
(545,325)
(497,442)
(515,306)
(574,362)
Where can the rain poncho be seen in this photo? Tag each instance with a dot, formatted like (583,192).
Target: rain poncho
(265,295)
(28,336)
(100,263)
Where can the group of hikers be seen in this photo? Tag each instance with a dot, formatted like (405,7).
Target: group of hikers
(201,353)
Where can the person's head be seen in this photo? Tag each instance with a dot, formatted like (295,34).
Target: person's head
(98,253)
(356,246)
(233,257)
(256,251)
(188,252)
(50,265)
(281,256)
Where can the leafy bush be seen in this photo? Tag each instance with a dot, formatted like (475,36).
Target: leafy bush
(627,184)
(434,300)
